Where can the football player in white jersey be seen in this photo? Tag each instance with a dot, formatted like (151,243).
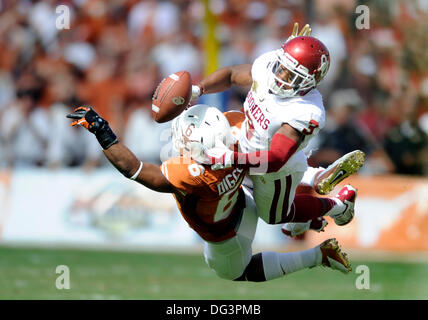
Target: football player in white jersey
(283,112)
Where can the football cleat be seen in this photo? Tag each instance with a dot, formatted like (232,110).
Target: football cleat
(292,229)
(318,224)
(347,195)
(333,257)
(342,168)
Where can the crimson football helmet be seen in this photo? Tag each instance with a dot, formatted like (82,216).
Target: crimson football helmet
(300,65)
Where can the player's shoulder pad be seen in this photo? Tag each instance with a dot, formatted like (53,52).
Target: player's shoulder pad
(305,121)
(303,112)
(183,173)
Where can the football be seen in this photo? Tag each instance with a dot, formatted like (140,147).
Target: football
(171,96)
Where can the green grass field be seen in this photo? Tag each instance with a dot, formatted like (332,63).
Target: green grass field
(30,274)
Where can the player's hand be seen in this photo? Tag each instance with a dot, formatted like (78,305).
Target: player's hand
(306,31)
(87,118)
(196,92)
(220,158)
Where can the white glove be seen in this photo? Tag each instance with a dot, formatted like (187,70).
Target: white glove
(196,93)
(222,156)
(199,153)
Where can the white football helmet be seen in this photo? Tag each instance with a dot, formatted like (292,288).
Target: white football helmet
(199,129)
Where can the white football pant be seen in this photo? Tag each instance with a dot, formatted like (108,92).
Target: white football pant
(229,258)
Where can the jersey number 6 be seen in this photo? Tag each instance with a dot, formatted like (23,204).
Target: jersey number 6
(195,169)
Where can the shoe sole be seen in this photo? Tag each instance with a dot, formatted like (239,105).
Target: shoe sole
(352,162)
(343,257)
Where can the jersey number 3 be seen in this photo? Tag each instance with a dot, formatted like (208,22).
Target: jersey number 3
(312,125)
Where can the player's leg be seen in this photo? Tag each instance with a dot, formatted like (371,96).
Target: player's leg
(276,200)
(307,211)
(324,180)
(274,195)
(230,258)
(266,266)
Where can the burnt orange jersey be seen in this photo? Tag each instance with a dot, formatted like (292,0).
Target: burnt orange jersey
(210,201)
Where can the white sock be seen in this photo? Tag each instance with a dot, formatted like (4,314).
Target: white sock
(277,264)
(309,176)
(338,209)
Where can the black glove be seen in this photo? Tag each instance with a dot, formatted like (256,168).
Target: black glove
(88,118)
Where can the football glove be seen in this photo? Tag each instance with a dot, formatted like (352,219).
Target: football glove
(90,120)
(196,92)
(220,158)
(306,31)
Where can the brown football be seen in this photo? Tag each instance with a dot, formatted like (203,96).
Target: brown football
(171,96)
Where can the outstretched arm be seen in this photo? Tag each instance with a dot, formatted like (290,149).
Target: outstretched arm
(239,75)
(118,154)
(148,174)
(223,79)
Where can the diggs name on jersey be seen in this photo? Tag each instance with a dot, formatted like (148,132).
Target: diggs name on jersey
(230,181)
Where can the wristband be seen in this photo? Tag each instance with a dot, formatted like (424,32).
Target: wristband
(106,136)
(197,91)
(138,171)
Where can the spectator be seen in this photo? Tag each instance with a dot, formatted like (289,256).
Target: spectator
(343,133)
(116,52)
(25,130)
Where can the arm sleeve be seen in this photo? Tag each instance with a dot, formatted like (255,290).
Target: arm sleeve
(281,149)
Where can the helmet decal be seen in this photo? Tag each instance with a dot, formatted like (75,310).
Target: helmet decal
(325,64)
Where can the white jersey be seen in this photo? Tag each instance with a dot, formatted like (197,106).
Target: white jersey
(265,113)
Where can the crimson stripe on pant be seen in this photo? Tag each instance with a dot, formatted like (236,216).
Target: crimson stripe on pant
(274,204)
(286,199)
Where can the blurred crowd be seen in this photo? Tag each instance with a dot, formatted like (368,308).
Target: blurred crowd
(115,53)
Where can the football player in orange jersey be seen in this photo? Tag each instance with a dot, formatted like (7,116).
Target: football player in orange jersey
(213,202)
